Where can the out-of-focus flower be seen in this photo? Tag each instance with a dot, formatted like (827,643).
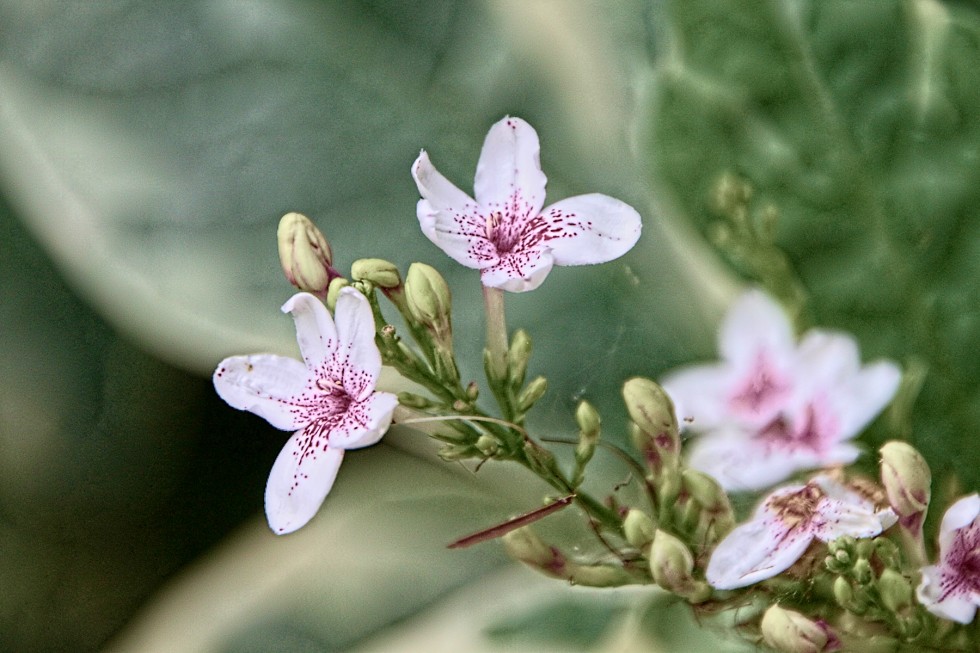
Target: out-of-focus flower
(951,589)
(329,400)
(785,525)
(504,233)
(773,407)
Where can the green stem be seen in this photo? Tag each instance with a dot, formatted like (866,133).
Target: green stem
(493,303)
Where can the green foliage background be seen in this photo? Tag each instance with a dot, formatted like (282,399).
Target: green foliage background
(148,149)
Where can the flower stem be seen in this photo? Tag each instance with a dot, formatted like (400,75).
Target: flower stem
(493,303)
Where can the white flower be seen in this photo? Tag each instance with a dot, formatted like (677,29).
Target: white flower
(951,589)
(785,525)
(505,233)
(773,407)
(328,399)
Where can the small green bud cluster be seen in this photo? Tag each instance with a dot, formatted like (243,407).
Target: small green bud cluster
(870,583)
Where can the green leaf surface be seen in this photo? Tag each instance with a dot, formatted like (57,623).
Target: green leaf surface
(860,123)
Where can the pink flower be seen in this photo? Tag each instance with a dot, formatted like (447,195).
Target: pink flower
(951,589)
(785,525)
(328,399)
(504,232)
(773,406)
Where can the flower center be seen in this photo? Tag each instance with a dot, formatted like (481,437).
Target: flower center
(781,432)
(512,232)
(761,390)
(797,508)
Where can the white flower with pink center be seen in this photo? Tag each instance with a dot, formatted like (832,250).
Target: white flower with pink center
(773,406)
(786,524)
(504,232)
(329,401)
(951,589)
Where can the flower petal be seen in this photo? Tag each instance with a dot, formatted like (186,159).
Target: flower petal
(858,399)
(315,330)
(263,384)
(845,512)
(360,360)
(756,323)
(957,516)
(955,606)
(754,551)
(300,480)
(365,422)
(450,218)
(700,395)
(828,355)
(590,229)
(739,462)
(508,175)
(518,271)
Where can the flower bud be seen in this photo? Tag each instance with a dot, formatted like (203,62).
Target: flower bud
(843,592)
(638,528)
(715,507)
(379,272)
(517,357)
(333,291)
(895,590)
(863,573)
(524,545)
(652,411)
(789,631)
(589,422)
(672,566)
(531,393)
(907,480)
(428,295)
(305,255)
(488,445)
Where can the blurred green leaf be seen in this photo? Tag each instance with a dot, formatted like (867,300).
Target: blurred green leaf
(575,623)
(860,123)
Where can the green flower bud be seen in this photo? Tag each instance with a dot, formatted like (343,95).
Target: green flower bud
(789,631)
(379,272)
(524,545)
(453,452)
(305,255)
(488,445)
(531,393)
(863,573)
(412,400)
(714,505)
(638,528)
(895,590)
(652,411)
(843,592)
(333,291)
(588,421)
(517,357)
(672,567)
(907,480)
(428,295)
